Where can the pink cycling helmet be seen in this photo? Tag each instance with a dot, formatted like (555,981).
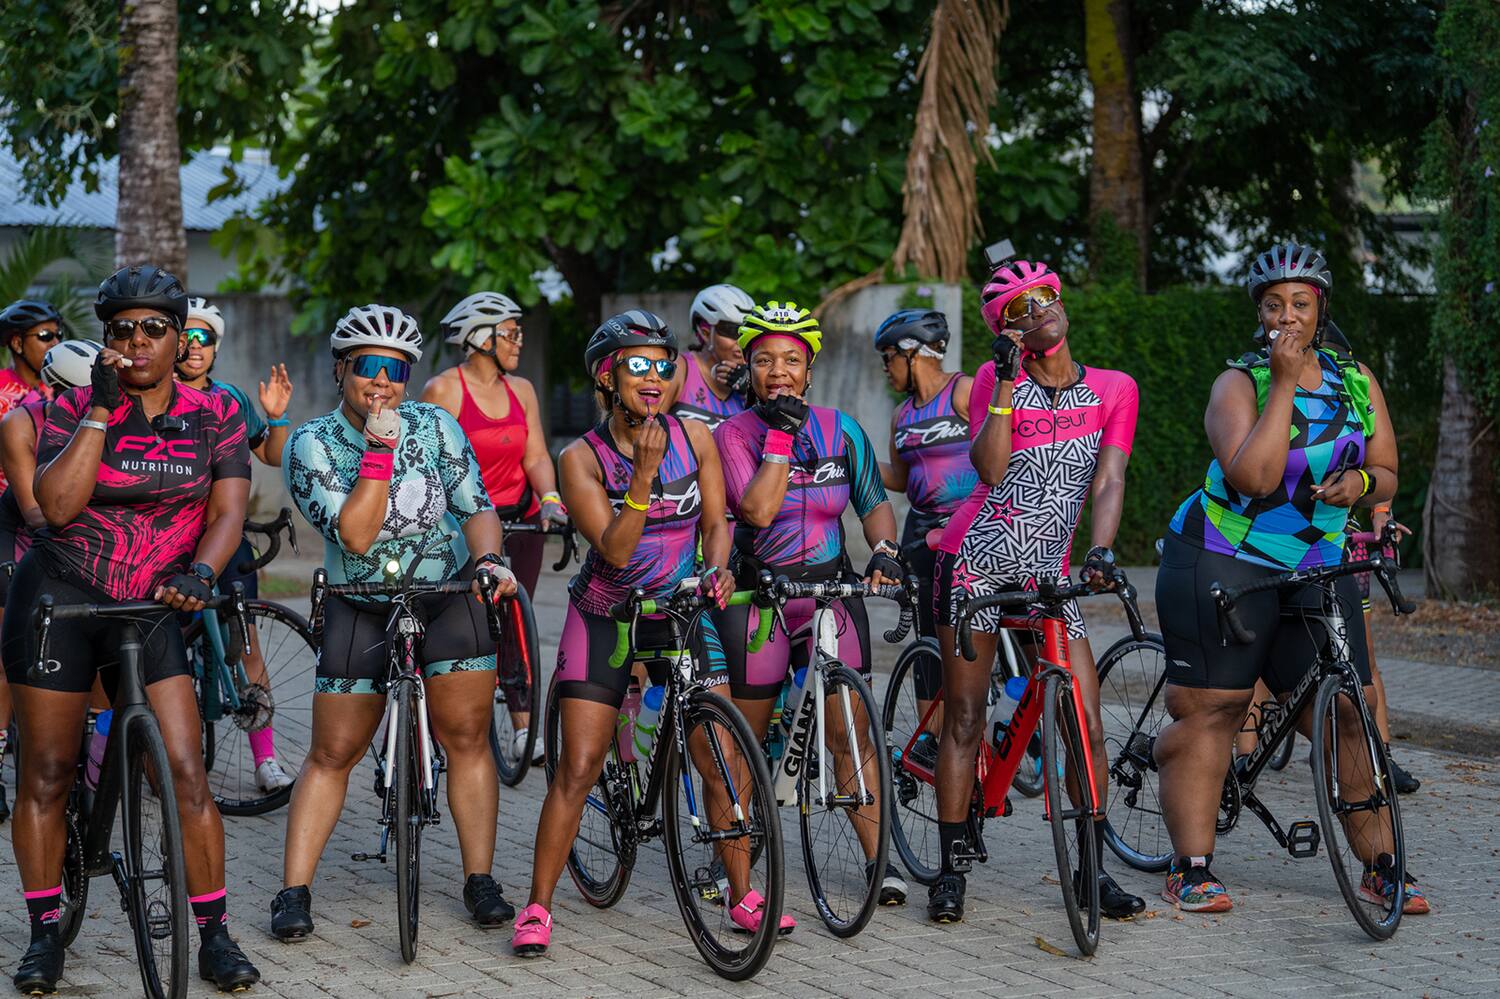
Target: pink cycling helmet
(1008,281)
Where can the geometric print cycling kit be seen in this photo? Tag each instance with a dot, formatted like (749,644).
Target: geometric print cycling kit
(1287,529)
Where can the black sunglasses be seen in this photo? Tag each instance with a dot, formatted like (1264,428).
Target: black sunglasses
(155,327)
(45,336)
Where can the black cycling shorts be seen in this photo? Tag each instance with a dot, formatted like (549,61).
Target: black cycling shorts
(583,669)
(80,649)
(353,659)
(1288,636)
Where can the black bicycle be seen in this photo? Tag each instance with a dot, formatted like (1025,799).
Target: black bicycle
(408,759)
(1359,817)
(148,868)
(633,802)
(517,692)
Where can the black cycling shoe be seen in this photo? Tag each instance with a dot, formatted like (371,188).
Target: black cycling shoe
(892,884)
(221,961)
(1115,902)
(41,967)
(1405,782)
(945,899)
(291,914)
(5,805)
(485,903)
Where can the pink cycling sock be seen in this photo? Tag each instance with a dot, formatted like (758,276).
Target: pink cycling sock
(263,744)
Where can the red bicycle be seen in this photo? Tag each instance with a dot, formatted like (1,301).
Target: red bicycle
(1053,705)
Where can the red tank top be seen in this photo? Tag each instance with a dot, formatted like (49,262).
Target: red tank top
(499,445)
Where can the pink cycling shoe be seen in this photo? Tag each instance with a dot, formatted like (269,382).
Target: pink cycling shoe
(533,932)
(751,910)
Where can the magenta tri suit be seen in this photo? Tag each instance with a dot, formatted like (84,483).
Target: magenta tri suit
(1021,530)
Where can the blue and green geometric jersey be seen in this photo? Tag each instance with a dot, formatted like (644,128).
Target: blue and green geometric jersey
(1287,529)
(435,489)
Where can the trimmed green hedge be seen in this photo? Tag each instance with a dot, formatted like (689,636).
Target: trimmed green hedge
(1175,342)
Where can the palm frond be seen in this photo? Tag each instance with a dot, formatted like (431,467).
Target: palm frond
(85,258)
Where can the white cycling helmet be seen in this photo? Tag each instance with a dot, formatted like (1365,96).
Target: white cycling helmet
(376,326)
(719,303)
(470,322)
(69,364)
(209,315)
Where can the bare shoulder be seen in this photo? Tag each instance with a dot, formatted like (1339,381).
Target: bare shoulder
(522,387)
(442,389)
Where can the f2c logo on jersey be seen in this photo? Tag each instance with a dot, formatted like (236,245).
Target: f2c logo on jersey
(154,448)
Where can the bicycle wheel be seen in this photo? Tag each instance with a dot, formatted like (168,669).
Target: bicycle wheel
(1133,709)
(282,706)
(1283,754)
(1028,778)
(728,810)
(516,666)
(155,885)
(844,798)
(1357,803)
(406,820)
(914,795)
(75,880)
(1073,829)
(600,861)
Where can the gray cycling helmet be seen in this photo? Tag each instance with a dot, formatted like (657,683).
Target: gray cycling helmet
(1288,262)
(636,328)
(926,326)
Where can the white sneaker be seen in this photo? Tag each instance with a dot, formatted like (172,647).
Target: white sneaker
(538,752)
(269,776)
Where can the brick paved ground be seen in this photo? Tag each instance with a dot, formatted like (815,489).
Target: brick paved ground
(1289,933)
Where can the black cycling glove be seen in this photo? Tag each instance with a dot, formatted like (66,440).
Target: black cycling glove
(191,585)
(1007,358)
(738,379)
(786,413)
(105,380)
(1099,559)
(886,564)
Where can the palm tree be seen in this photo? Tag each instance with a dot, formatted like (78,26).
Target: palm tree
(72,292)
(941,204)
(148,213)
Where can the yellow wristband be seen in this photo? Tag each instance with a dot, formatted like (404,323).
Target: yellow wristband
(1365,478)
(643,507)
(1002,410)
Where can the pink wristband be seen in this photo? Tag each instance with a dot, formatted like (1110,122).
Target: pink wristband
(778,443)
(377,465)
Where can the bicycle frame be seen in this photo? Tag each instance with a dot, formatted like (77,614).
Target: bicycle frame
(403,673)
(222,683)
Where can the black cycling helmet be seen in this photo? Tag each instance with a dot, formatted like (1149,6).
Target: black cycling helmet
(24,315)
(636,328)
(142,287)
(926,326)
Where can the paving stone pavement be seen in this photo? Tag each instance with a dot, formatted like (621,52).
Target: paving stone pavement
(1289,933)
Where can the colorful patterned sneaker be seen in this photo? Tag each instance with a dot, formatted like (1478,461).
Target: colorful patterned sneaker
(751,909)
(1193,888)
(1379,884)
(533,933)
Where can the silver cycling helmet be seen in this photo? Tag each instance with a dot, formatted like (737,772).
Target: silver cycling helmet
(719,303)
(376,326)
(69,364)
(471,322)
(198,308)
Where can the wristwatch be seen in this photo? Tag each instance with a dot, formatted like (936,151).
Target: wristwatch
(203,571)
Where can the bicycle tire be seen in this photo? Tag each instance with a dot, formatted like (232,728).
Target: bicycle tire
(75,879)
(1028,779)
(599,861)
(1283,754)
(406,822)
(846,897)
(1132,708)
(159,915)
(1062,753)
(522,652)
(1325,788)
(708,922)
(290,655)
(914,828)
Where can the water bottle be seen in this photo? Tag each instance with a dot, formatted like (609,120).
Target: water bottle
(793,701)
(647,720)
(97,742)
(625,727)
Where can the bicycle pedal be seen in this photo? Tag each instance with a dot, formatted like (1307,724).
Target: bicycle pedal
(1004,810)
(1303,838)
(367,856)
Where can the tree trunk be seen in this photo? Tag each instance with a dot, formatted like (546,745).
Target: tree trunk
(1461,547)
(1117,186)
(148,215)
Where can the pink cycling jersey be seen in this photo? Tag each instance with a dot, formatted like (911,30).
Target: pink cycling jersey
(1022,529)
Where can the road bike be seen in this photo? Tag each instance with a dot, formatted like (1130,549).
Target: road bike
(408,760)
(702,741)
(517,692)
(135,779)
(1359,816)
(233,706)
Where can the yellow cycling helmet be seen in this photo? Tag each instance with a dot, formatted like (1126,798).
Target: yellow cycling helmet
(777,319)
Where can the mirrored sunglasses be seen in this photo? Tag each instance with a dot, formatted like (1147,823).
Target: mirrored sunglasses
(371,365)
(1029,300)
(207,338)
(638,366)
